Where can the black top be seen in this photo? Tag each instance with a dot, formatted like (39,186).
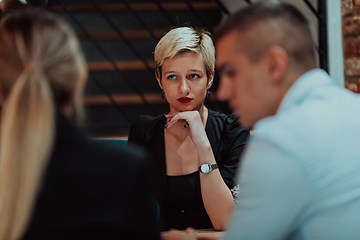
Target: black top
(227,140)
(186,193)
(93,191)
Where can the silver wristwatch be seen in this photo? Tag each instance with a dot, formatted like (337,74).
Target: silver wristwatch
(206,168)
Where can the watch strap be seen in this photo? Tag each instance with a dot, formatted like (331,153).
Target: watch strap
(213,166)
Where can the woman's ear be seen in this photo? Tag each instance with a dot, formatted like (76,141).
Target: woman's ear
(159,81)
(211,79)
(74,108)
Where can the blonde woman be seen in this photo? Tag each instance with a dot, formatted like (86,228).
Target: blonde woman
(195,151)
(54,182)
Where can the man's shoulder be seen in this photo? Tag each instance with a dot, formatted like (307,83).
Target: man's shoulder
(289,130)
(323,117)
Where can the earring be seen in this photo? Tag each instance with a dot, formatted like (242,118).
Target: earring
(208,92)
(162,94)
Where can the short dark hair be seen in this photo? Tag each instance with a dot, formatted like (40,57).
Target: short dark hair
(273,24)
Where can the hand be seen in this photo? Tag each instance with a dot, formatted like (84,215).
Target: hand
(188,234)
(193,124)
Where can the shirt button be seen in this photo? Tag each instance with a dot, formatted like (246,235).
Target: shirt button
(182,211)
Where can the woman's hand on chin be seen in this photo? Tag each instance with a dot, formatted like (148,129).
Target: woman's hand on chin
(193,123)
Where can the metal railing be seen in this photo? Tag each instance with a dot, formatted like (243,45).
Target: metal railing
(321,48)
(118,31)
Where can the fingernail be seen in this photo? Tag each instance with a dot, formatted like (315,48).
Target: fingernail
(166,125)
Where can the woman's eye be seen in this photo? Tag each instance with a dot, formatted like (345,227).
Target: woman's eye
(171,77)
(193,76)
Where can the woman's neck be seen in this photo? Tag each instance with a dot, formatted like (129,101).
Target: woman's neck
(203,114)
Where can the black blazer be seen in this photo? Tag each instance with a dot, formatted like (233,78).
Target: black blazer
(227,140)
(93,191)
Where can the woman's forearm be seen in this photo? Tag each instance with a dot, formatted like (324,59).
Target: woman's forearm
(217,198)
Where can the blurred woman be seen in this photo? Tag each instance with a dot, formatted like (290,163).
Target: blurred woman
(195,150)
(54,182)
(7,6)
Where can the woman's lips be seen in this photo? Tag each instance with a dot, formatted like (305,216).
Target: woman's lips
(184,99)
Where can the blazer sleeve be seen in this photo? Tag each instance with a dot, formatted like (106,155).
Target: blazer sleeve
(235,138)
(138,131)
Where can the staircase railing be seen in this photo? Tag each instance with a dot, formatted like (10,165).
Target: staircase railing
(320,13)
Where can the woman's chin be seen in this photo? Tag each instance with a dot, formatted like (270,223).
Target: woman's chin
(185,108)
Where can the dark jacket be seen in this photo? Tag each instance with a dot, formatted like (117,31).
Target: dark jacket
(93,191)
(227,140)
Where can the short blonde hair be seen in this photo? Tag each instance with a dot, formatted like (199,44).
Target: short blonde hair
(184,39)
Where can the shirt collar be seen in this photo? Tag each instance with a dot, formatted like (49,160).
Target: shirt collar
(307,83)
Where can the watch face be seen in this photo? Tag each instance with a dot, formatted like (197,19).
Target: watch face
(205,168)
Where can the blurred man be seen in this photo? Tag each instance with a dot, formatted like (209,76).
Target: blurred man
(300,177)
(300,174)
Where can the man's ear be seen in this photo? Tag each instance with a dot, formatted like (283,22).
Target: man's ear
(211,79)
(277,61)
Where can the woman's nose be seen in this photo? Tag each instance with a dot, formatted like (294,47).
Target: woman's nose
(184,87)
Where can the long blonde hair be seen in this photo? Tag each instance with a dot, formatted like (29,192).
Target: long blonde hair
(40,69)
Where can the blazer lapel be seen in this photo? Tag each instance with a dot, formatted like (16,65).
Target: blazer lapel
(213,133)
(157,142)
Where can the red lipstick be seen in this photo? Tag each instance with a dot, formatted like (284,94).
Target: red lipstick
(184,99)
